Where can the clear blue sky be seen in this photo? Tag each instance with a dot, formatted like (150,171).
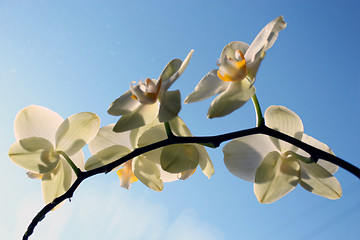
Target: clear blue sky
(75,56)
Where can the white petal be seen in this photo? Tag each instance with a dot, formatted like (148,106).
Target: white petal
(166,176)
(168,82)
(76,131)
(148,173)
(33,175)
(316,179)
(154,134)
(286,121)
(170,105)
(242,156)
(266,38)
(179,128)
(123,105)
(330,167)
(34,154)
(230,49)
(57,182)
(126,175)
(207,87)
(106,137)
(179,158)
(141,116)
(236,95)
(136,133)
(106,156)
(205,163)
(170,68)
(275,177)
(37,121)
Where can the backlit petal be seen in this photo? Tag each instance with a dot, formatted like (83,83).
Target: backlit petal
(236,95)
(205,163)
(230,49)
(179,158)
(330,167)
(266,38)
(168,82)
(148,173)
(170,105)
(34,154)
(37,121)
(57,182)
(123,105)
(141,116)
(316,179)
(207,87)
(126,175)
(275,177)
(286,121)
(76,131)
(106,137)
(242,156)
(106,156)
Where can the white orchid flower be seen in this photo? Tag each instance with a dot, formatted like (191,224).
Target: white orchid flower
(275,166)
(139,105)
(43,138)
(238,65)
(109,146)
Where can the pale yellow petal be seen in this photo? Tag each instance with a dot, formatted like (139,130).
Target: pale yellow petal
(286,121)
(275,177)
(316,179)
(179,158)
(76,131)
(148,173)
(34,154)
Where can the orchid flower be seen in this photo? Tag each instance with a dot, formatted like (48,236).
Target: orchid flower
(109,146)
(139,105)
(238,65)
(44,140)
(276,167)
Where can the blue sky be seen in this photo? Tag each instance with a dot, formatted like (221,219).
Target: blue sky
(76,56)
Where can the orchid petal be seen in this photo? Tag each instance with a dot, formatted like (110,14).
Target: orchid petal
(123,105)
(316,179)
(136,133)
(142,115)
(242,156)
(168,82)
(76,131)
(179,128)
(208,86)
(205,163)
(172,67)
(286,121)
(33,175)
(170,105)
(236,95)
(34,154)
(57,182)
(154,134)
(126,175)
(106,156)
(230,49)
(330,167)
(178,158)
(37,121)
(266,38)
(148,173)
(166,176)
(106,137)
(275,177)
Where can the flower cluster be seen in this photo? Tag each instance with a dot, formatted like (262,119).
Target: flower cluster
(50,148)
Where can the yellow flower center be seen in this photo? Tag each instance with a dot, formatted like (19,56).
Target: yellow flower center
(233,69)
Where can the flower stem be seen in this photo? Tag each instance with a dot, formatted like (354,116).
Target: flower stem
(71,163)
(259,117)
(169,133)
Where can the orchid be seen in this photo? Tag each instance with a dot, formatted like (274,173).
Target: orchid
(139,105)
(109,146)
(45,140)
(238,65)
(276,167)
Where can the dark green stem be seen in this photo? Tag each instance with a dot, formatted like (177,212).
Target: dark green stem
(71,163)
